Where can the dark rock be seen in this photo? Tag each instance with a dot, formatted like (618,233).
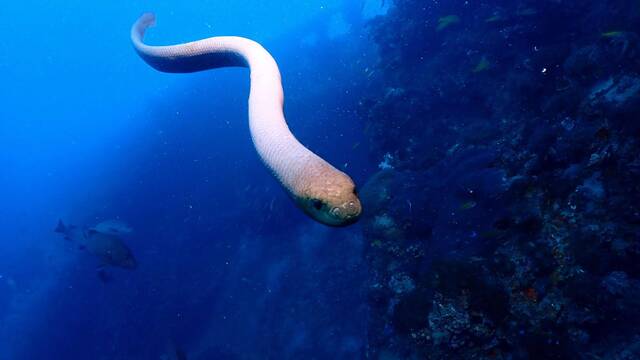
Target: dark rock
(507,223)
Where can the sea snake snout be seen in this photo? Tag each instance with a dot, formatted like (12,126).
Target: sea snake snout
(330,197)
(348,212)
(325,193)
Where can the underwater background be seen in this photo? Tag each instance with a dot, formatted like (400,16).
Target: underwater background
(495,145)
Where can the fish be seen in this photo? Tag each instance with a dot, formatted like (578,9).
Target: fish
(468,205)
(482,65)
(108,248)
(612,34)
(446,21)
(113,227)
(70,232)
(494,18)
(527,12)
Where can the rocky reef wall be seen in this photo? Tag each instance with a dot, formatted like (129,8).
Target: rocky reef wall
(504,222)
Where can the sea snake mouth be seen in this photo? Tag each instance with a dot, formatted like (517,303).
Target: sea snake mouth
(325,193)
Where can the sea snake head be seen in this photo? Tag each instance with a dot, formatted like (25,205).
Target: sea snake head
(322,191)
(331,199)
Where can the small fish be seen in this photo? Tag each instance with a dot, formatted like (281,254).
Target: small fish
(494,18)
(108,248)
(446,21)
(527,12)
(113,227)
(468,205)
(482,65)
(612,34)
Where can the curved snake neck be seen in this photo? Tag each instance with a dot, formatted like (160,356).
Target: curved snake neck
(322,191)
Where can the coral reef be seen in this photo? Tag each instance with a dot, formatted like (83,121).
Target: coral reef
(504,220)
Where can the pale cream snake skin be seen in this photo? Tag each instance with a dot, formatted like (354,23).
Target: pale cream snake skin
(325,193)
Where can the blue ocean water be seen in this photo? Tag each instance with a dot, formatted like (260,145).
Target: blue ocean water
(494,145)
(227,265)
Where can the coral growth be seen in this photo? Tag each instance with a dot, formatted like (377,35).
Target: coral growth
(508,225)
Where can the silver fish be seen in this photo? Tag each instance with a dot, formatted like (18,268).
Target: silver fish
(113,227)
(109,248)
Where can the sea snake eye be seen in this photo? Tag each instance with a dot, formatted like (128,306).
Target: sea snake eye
(317,204)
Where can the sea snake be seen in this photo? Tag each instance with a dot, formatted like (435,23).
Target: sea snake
(325,193)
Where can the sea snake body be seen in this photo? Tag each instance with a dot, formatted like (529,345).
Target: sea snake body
(325,193)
